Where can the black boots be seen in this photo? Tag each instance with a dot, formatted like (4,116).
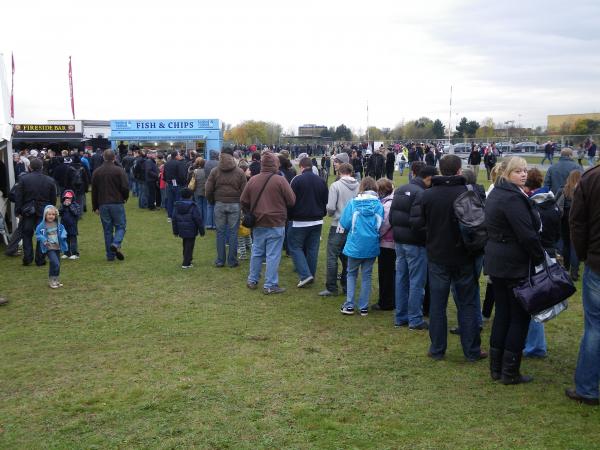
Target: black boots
(496,363)
(511,363)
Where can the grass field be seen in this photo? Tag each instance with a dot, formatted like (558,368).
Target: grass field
(143,354)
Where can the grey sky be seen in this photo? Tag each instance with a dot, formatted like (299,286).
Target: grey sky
(305,62)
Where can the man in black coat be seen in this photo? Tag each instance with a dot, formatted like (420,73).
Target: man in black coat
(151,178)
(307,221)
(34,193)
(376,165)
(449,261)
(175,175)
(411,256)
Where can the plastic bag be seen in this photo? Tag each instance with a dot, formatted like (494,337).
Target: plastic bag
(550,313)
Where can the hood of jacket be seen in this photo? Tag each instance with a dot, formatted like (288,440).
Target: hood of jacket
(542,195)
(227,162)
(350,183)
(184,206)
(454,180)
(367,203)
(46,208)
(269,163)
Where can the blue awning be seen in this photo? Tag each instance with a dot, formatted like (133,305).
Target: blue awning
(158,138)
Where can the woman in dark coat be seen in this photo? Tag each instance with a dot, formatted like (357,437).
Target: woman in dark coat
(513,244)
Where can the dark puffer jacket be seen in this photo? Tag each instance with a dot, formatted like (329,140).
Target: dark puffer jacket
(513,226)
(187,219)
(404,197)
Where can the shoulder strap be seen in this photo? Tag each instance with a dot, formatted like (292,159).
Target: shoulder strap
(260,193)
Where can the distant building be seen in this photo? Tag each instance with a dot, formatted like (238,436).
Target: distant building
(559,120)
(311,130)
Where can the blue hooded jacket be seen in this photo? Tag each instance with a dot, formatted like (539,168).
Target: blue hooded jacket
(40,233)
(187,219)
(362,217)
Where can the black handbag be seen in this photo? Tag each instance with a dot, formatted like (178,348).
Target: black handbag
(249,219)
(544,289)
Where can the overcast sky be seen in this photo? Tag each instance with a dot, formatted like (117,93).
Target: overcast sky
(296,62)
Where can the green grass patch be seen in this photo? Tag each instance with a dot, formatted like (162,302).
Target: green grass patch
(143,354)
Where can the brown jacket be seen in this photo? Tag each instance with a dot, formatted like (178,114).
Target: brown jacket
(271,210)
(226,181)
(584,219)
(109,185)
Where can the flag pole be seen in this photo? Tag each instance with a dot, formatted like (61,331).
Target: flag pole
(71,88)
(12,88)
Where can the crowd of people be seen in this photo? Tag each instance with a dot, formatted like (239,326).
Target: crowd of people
(264,208)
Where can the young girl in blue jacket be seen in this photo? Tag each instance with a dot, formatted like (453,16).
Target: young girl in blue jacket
(52,237)
(361,218)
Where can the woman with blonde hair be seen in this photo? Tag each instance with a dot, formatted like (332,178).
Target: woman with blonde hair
(513,246)
(564,199)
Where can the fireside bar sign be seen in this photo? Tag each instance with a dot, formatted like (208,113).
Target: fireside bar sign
(44,128)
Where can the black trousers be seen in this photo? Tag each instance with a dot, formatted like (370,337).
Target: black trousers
(386,265)
(488,303)
(188,250)
(511,321)
(29,224)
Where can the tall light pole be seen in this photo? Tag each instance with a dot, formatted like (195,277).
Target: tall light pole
(450,118)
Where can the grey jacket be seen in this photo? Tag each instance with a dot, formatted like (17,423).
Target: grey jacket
(557,173)
(340,193)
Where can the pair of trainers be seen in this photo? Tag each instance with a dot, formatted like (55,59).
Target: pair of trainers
(349,310)
(54,283)
(117,251)
(306,281)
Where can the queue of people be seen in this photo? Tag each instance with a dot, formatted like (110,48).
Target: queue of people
(412,231)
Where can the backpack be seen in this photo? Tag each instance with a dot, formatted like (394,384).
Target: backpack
(469,211)
(76,177)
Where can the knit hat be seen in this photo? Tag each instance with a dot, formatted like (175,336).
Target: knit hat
(342,158)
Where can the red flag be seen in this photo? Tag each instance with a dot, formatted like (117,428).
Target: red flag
(12,88)
(71,88)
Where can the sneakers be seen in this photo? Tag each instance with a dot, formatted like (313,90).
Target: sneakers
(63,257)
(327,293)
(73,257)
(187,267)
(251,285)
(117,251)
(306,281)
(169,220)
(347,310)
(422,326)
(273,290)
(364,312)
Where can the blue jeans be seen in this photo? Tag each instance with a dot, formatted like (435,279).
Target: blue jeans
(202,203)
(535,345)
(210,216)
(591,161)
(548,157)
(163,197)
(303,245)
(54,259)
(366,266)
(440,279)
(411,273)
(112,216)
(266,244)
(401,166)
(142,194)
(227,220)
(172,197)
(587,374)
